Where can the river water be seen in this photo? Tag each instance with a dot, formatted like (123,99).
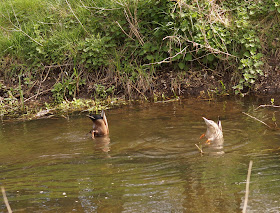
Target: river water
(149,162)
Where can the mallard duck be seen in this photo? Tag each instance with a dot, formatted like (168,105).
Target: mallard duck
(214,131)
(100,125)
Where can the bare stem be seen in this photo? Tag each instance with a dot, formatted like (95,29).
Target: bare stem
(201,151)
(6,200)
(265,105)
(247,187)
(257,120)
(76,16)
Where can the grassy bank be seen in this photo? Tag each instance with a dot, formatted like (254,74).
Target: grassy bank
(57,50)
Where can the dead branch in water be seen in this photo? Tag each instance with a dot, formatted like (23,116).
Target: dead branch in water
(6,200)
(265,105)
(258,120)
(201,151)
(247,187)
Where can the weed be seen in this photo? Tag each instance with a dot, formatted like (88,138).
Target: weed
(68,87)
(102,92)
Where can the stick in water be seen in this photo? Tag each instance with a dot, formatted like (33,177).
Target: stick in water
(257,119)
(247,187)
(6,200)
(199,148)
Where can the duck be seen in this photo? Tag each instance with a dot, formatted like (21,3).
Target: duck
(100,125)
(214,132)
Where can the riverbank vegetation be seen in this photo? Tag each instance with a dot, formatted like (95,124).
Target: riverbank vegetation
(58,50)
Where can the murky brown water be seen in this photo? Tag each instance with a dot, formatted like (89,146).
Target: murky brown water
(148,164)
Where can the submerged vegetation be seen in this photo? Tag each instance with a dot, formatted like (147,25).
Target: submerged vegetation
(60,50)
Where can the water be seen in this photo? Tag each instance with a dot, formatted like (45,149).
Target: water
(149,163)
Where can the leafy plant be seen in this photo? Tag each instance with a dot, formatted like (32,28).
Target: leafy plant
(102,92)
(95,51)
(68,87)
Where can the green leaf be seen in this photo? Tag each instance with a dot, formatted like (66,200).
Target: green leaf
(150,57)
(247,54)
(188,57)
(210,57)
(181,65)
(239,86)
(258,63)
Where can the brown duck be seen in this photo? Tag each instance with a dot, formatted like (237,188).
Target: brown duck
(100,125)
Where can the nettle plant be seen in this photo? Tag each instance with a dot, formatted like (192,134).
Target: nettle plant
(95,51)
(250,56)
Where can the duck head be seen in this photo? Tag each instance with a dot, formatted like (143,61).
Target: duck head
(100,125)
(214,130)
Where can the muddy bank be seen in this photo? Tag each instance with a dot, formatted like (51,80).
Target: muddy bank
(30,95)
(165,85)
(269,83)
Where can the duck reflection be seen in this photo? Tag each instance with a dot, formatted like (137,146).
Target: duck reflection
(103,143)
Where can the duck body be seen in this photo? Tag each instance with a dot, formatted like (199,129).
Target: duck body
(100,125)
(214,132)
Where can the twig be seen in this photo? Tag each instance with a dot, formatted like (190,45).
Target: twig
(60,65)
(167,60)
(199,46)
(76,16)
(124,30)
(6,200)
(133,23)
(265,105)
(210,48)
(257,120)
(138,91)
(39,93)
(201,151)
(45,76)
(247,187)
(171,100)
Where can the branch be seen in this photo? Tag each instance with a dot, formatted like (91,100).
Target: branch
(265,105)
(76,16)
(247,187)
(200,46)
(124,30)
(213,50)
(257,120)
(201,151)
(167,60)
(6,200)
(133,23)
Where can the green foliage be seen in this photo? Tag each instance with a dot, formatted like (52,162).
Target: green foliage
(272,101)
(126,35)
(102,92)
(94,52)
(68,87)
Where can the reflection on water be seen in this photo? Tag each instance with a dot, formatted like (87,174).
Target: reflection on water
(148,163)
